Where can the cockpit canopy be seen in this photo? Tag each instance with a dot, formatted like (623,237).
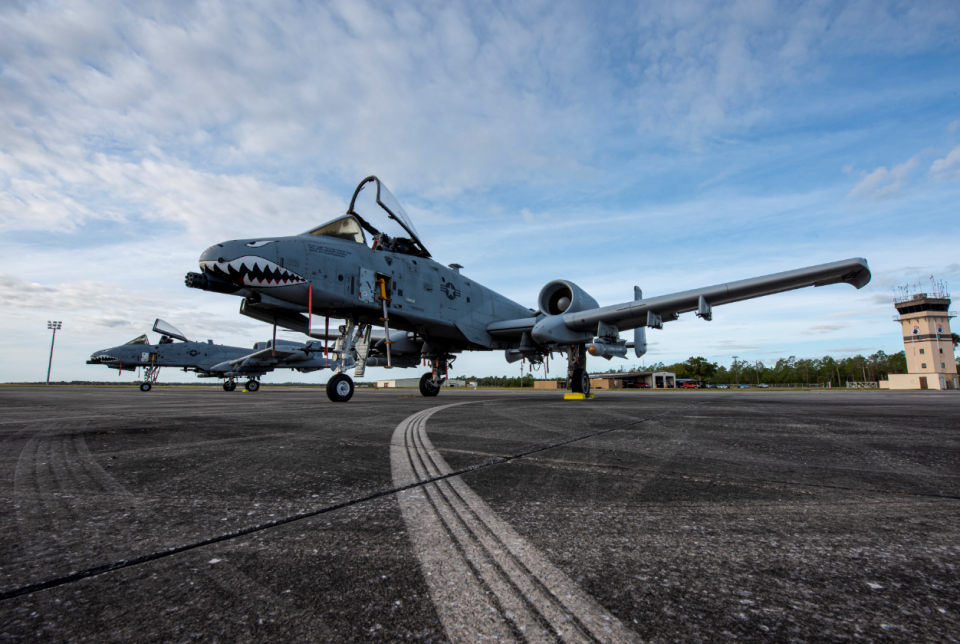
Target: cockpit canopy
(347,227)
(140,339)
(167,329)
(351,226)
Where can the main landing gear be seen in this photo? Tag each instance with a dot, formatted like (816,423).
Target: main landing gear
(229,385)
(340,388)
(252,385)
(430,383)
(150,375)
(577,377)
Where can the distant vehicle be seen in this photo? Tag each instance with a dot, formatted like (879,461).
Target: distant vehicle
(764,386)
(689,385)
(723,386)
(709,386)
(743,386)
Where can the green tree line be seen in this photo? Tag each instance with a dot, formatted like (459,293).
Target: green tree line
(790,370)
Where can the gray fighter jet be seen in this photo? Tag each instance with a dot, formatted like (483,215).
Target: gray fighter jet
(430,312)
(209,360)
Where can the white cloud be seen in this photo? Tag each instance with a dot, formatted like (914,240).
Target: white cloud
(883,183)
(947,167)
(817,329)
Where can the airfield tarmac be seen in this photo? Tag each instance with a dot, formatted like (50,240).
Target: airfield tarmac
(639,516)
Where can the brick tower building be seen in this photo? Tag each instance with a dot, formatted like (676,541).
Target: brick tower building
(927,341)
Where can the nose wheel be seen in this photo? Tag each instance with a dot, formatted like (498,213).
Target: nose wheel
(229,385)
(340,388)
(146,386)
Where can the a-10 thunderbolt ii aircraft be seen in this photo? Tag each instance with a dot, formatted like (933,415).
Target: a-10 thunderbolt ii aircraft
(430,312)
(209,360)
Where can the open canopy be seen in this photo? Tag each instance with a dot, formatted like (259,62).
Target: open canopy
(168,330)
(394,210)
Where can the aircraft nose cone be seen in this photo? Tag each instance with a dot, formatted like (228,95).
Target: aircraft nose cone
(212,254)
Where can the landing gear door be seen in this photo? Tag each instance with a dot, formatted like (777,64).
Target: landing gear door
(368,286)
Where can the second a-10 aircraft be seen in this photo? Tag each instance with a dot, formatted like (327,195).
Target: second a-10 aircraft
(209,360)
(430,312)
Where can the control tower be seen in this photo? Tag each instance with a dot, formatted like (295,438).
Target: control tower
(925,321)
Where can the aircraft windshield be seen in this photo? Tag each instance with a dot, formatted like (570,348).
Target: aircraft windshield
(167,329)
(140,339)
(344,228)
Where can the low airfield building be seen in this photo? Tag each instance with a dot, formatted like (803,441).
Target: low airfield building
(634,380)
(414,383)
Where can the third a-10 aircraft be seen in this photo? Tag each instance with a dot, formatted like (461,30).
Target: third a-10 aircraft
(430,312)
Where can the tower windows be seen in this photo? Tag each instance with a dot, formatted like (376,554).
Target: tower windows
(921,351)
(923,365)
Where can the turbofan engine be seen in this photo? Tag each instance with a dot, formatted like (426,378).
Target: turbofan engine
(561,296)
(556,299)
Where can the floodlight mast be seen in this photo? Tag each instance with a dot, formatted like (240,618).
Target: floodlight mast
(54,325)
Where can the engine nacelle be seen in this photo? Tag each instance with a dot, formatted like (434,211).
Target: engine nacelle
(560,296)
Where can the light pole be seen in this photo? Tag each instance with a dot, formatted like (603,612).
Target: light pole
(54,325)
(736,369)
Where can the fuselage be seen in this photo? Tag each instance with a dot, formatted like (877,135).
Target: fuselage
(444,307)
(201,356)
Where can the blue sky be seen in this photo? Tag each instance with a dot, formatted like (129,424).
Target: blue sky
(669,146)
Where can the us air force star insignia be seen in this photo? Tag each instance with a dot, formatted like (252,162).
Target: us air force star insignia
(452,291)
(193,352)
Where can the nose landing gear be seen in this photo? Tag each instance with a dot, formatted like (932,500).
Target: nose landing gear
(150,375)
(229,385)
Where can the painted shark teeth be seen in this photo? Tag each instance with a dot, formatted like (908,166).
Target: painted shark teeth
(103,358)
(251,270)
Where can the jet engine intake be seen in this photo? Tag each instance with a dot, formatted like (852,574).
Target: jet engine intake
(562,296)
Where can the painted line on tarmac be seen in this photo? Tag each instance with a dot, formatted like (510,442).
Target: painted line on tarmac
(487,582)
(169,552)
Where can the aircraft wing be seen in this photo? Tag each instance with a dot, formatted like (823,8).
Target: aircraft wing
(631,315)
(656,310)
(264,356)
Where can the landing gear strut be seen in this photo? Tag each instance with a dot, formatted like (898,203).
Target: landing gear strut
(578,380)
(150,375)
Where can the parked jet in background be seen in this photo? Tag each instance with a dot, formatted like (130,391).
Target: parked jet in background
(209,360)
(432,312)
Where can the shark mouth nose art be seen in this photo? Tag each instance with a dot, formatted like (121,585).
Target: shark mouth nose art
(251,270)
(103,359)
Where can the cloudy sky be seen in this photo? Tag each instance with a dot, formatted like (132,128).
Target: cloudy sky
(668,145)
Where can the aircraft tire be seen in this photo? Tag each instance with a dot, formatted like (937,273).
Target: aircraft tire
(340,388)
(146,386)
(580,382)
(427,388)
(229,386)
(253,385)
